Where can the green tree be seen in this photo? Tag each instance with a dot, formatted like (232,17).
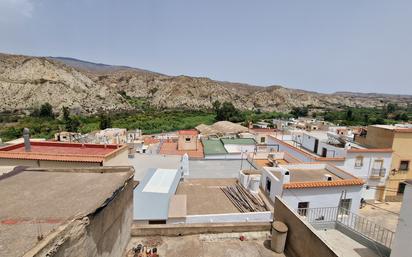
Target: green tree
(105,121)
(366,118)
(299,112)
(66,114)
(228,112)
(74,125)
(349,114)
(391,107)
(46,110)
(216,106)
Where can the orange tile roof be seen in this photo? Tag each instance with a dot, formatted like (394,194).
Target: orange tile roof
(345,182)
(150,140)
(170,148)
(191,132)
(370,150)
(58,151)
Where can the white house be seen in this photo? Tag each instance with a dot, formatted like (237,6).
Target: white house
(314,185)
(370,164)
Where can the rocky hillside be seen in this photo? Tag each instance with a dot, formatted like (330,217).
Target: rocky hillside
(27,82)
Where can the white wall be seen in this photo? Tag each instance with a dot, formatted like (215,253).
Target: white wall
(402,246)
(308,142)
(231,217)
(285,147)
(276,186)
(233,148)
(365,171)
(322,196)
(236,156)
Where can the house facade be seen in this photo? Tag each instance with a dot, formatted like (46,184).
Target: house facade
(399,139)
(314,185)
(370,164)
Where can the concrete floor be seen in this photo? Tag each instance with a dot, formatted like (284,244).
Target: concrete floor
(345,246)
(216,168)
(211,245)
(385,214)
(199,193)
(143,162)
(198,168)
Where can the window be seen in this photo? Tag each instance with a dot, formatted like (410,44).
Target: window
(268,184)
(187,139)
(262,139)
(157,221)
(359,162)
(401,188)
(303,208)
(344,206)
(377,169)
(404,165)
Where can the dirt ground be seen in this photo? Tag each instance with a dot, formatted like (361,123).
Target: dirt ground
(385,214)
(210,245)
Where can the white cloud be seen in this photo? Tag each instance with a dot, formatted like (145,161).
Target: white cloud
(15,10)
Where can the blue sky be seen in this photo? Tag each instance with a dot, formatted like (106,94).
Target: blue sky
(319,45)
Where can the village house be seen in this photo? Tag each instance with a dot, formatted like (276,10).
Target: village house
(57,154)
(314,185)
(370,164)
(398,138)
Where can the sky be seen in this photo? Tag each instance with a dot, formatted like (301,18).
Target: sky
(318,45)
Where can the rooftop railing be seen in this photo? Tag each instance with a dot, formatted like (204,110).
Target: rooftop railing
(350,220)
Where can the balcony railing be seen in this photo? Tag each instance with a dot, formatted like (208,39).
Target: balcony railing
(352,221)
(378,172)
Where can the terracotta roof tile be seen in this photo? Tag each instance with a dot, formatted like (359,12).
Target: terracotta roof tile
(57,151)
(345,182)
(370,150)
(191,132)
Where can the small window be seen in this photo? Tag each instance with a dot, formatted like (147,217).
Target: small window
(157,222)
(268,184)
(359,162)
(188,139)
(404,165)
(303,208)
(345,205)
(262,139)
(401,188)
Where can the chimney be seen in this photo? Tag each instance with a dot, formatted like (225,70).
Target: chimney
(286,176)
(26,137)
(328,177)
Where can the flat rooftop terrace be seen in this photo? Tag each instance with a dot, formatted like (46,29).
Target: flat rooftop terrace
(308,175)
(267,163)
(204,196)
(345,246)
(37,201)
(208,245)
(57,151)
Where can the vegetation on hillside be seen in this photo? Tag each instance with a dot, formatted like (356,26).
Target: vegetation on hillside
(44,121)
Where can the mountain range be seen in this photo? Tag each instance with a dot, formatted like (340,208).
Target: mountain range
(27,82)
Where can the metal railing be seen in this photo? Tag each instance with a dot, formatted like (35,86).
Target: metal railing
(378,172)
(350,220)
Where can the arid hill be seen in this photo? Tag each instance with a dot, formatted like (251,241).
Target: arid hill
(27,82)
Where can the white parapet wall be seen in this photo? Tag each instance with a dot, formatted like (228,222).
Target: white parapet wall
(230,217)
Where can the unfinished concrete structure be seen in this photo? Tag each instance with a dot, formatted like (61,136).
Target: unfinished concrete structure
(65,212)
